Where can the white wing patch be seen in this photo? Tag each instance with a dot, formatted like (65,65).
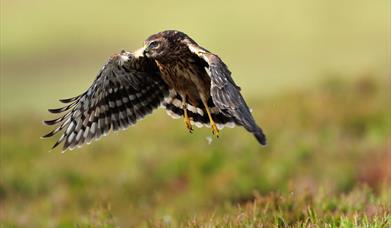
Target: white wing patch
(174,108)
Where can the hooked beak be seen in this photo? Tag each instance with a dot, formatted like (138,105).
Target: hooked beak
(141,52)
(146,50)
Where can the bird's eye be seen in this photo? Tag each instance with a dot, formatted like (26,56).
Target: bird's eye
(154,44)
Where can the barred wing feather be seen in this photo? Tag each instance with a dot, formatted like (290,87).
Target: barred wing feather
(126,89)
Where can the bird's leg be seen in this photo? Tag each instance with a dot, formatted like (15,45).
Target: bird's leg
(186,118)
(215,130)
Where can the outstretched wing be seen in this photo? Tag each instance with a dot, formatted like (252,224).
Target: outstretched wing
(224,92)
(126,89)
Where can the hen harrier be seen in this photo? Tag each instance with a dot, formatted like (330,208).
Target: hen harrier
(171,70)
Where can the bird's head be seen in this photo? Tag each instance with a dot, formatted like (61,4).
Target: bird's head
(163,44)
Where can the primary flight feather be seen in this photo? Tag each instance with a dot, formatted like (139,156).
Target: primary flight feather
(171,70)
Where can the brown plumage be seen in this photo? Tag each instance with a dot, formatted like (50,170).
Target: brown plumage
(171,70)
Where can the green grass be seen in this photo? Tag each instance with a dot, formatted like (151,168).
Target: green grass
(359,208)
(327,163)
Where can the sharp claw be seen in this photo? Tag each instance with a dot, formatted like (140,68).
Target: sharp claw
(188,125)
(190,129)
(215,130)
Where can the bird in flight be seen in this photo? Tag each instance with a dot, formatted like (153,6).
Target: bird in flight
(171,71)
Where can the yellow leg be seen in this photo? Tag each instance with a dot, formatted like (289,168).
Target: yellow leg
(215,130)
(186,118)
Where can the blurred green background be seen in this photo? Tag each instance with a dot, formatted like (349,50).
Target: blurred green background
(316,73)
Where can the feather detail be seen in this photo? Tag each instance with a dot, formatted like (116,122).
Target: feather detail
(197,115)
(224,91)
(125,90)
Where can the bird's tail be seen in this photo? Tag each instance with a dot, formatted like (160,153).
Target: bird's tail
(197,114)
(260,136)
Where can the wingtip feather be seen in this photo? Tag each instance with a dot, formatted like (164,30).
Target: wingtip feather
(69,100)
(48,135)
(261,137)
(50,122)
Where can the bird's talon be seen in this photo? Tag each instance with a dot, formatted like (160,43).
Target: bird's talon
(215,130)
(188,125)
(190,130)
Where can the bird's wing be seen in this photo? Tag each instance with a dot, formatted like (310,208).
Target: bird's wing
(127,88)
(224,91)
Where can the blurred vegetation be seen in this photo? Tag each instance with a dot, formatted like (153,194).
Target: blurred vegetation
(327,162)
(316,74)
(52,49)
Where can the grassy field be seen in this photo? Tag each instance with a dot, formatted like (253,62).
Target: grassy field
(317,75)
(325,164)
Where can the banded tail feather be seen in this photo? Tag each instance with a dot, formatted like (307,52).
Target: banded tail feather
(198,115)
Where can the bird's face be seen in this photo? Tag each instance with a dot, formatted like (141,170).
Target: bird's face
(156,48)
(164,45)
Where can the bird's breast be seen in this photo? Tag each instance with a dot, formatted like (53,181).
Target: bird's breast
(186,78)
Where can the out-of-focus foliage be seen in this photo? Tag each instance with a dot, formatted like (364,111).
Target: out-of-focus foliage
(51,49)
(325,144)
(316,74)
